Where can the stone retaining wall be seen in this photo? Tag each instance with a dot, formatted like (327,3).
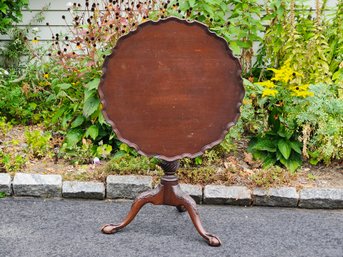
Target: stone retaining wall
(128,187)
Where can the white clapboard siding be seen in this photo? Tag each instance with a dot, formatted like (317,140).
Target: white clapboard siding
(62,4)
(58,8)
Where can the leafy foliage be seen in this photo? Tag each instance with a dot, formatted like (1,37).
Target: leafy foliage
(23,99)
(312,44)
(5,127)
(239,22)
(272,177)
(321,120)
(293,113)
(38,143)
(125,164)
(10,12)
(11,162)
(14,52)
(278,142)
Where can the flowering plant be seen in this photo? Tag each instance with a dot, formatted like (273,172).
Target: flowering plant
(278,142)
(285,82)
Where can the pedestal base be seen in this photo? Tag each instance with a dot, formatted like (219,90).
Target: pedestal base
(167,193)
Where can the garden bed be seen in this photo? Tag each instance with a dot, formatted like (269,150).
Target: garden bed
(292,109)
(236,168)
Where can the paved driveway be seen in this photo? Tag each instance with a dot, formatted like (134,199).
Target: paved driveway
(36,227)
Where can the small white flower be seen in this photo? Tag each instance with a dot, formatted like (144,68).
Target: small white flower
(96,160)
(35,29)
(69,4)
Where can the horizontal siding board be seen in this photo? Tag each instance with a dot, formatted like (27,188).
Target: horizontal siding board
(55,17)
(62,4)
(54,5)
(59,7)
(44,32)
(52,17)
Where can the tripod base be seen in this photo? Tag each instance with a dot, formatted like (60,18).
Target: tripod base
(167,193)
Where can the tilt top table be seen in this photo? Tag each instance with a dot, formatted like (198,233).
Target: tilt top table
(171,89)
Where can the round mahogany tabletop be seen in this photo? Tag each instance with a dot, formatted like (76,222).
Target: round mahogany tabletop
(171,89)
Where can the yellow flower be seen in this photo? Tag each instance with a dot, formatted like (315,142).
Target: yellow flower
(303,87)
(267,84)
(246,101)
(269,92)
(285,73)
(301,90)
(46,75)
(35,40)
(303,93)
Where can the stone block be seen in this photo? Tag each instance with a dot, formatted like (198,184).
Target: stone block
(86,190)
(5,183)
(235,195)
(195,191)
(282,197)
(37,185)
(127,187)
(326,198)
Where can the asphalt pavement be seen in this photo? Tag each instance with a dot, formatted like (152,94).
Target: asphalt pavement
(32,227)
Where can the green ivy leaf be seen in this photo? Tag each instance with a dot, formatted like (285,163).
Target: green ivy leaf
(124,147)
(101,118)
(64,86)
(92,131)
(94,84)
(90,106)
(104,150)
(58,114)
(285,148)
(192,3)
(73,137)
(236,50)
(78,121)
(184,6)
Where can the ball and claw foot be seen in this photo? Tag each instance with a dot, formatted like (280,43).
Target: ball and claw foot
(181,208)
(213,240)
(109,229)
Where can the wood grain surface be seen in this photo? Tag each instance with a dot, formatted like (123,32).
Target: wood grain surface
(171,89)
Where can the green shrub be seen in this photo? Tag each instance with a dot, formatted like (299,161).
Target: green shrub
(11,162)
(125,164)
(5,127)
(10,12)
(321,121)
(38,143)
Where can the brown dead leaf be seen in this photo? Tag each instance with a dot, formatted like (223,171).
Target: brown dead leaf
(248,158)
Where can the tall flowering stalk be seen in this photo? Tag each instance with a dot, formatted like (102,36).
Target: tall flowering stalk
(95,29)
(285,82)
